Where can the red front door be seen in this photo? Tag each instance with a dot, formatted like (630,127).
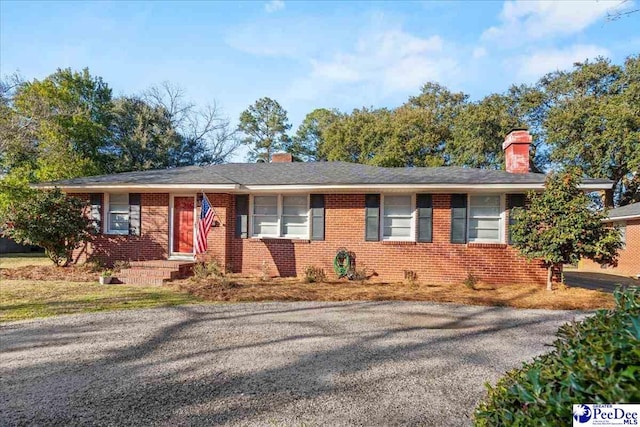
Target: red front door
(183,225)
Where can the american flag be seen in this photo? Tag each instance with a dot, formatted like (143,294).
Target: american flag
(204,225)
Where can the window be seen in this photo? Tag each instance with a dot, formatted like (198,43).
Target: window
(118,213)
(265,215)
(281,216)
(295,216)
(397,221)
(485,218)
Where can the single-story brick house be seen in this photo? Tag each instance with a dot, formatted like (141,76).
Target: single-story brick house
(442,223)
(627,219)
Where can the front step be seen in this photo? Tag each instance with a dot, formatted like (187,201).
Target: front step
(155,272)
(149,281)
(161,273)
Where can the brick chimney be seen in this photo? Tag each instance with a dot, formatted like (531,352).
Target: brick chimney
(516,151)
(281,158)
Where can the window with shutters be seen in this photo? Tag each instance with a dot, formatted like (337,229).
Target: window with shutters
(485,218)
(397,217)
(117,208)
(284,216)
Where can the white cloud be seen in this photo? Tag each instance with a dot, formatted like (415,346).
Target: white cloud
(479,52)
(534,20)
(392,60)
(273,6)
(532,66)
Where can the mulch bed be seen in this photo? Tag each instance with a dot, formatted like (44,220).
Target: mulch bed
(235,288)
(79,273)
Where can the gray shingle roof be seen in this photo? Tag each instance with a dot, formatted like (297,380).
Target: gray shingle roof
(624,211)
(314,173)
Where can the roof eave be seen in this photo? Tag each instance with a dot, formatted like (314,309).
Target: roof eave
(621,218)
(138,187)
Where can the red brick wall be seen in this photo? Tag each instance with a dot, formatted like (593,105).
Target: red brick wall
(629,257)
(153,242)
(439,261)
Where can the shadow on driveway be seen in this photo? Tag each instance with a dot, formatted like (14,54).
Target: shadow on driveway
(598,281)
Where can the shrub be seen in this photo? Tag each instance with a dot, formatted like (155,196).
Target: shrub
(411,277)
(265,271)
(48,219)
(206,270)
(595,361)
(121,265)
(314,274)
(471,281)
(359,274)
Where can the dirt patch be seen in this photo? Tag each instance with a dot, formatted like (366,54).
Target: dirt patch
(75,273)
(235,288)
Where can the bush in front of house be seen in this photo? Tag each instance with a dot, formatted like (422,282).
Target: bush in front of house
(49,219)
(314,274)
(596,360)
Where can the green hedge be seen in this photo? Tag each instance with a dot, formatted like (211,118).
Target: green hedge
(596,360)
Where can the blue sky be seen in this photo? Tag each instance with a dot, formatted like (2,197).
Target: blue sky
(308,55)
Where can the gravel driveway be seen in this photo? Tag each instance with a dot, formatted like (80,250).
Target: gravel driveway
(363,363)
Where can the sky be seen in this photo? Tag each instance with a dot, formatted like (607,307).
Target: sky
(310,55)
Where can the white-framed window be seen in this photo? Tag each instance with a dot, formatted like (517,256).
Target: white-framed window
(285,216)
(265,216)
(398,217)
(295,216)
(117,221)
(485,223)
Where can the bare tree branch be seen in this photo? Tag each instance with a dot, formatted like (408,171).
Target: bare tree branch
(207,134)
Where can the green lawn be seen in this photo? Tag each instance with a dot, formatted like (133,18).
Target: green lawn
(23,260)
(27,299)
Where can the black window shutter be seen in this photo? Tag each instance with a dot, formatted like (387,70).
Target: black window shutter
(514,201)
(317,216)
(424,203)
(134,214)
(96,210)
(372,217)
(458,218)
(242,216)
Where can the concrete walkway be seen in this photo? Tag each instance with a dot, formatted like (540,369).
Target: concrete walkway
(292,364)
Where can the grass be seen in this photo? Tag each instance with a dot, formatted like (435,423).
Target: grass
(27,299)
(24,260)
(245,289)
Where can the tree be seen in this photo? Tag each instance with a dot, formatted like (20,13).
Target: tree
(48,219)
(205,136)
(415,134)
(592,120)
(66,119)
(143,136)
(264,125)
(478,132)
(310,136)
(359,137)
(559,226)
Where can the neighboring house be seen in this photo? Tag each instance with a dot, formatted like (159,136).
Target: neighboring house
(442,223)
(627,219)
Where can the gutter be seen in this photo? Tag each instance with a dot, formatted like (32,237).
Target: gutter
(237,188)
